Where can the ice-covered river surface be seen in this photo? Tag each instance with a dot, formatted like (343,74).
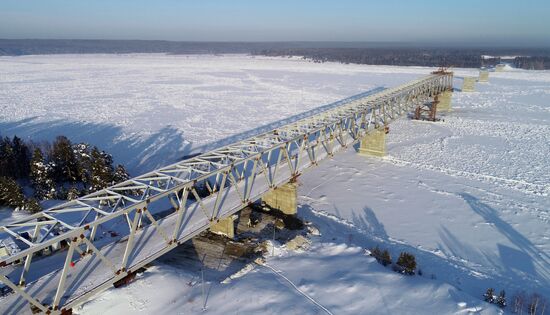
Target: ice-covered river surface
(469,196)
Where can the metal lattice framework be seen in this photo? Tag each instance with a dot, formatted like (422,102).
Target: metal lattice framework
(74,250)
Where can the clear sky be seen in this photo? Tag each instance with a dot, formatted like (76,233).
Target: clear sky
(517,22)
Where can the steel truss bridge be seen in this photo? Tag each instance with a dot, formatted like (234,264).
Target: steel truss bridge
(70,252)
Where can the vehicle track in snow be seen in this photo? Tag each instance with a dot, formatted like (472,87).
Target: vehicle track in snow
(280,274)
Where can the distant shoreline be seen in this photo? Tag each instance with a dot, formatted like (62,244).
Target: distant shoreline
(372,53)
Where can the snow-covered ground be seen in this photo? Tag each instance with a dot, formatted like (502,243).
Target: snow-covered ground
(330,278)
(469,196)
(152,109)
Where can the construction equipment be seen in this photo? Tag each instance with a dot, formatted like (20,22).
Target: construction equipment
(427,111)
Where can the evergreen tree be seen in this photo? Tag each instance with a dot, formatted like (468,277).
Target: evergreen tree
(21,157)
(11,194)
(84,162)
(40,175)
(120,174)
(32,205)
(109,171)
(64,161)
(102,170)
(406,263)
(7,158)
(73,193)
(385,259)
(376,253)
(501,299)
(489,296)
(61,193)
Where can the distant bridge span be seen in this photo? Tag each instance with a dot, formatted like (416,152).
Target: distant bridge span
(113,232)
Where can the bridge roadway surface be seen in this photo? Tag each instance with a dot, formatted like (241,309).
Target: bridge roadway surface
(118,246)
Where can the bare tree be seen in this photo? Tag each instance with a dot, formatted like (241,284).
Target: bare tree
(533,304)
(518,301)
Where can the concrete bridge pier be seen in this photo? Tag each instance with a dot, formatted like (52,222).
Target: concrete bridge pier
(469,84)
(483,76)
(445,101)
(284,198)
(374,143)
(225,226)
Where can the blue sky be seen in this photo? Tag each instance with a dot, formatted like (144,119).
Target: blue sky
(483,21)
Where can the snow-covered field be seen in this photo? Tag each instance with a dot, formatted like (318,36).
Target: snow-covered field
(469,196)
(152,109)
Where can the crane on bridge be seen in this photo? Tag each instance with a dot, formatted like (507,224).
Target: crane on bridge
(428,111)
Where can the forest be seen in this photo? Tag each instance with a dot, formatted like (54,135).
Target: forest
(32,172)
(372,53)
(434,57)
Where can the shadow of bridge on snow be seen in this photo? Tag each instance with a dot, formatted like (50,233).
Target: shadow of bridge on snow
(528,259)
(282,122)
(137,152)
(367,231)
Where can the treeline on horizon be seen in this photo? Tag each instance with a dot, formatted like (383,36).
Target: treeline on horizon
(374,53)
(31,172)
(20,47)
(456,58)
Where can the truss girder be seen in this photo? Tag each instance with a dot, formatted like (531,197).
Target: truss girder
(200,191)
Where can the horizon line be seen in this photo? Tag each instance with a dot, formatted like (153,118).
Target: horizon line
(465,44)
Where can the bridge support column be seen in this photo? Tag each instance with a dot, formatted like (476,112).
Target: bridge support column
(284,198)
(445,101)
(469,84)
(374,143)
(225,226)
(483,76)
